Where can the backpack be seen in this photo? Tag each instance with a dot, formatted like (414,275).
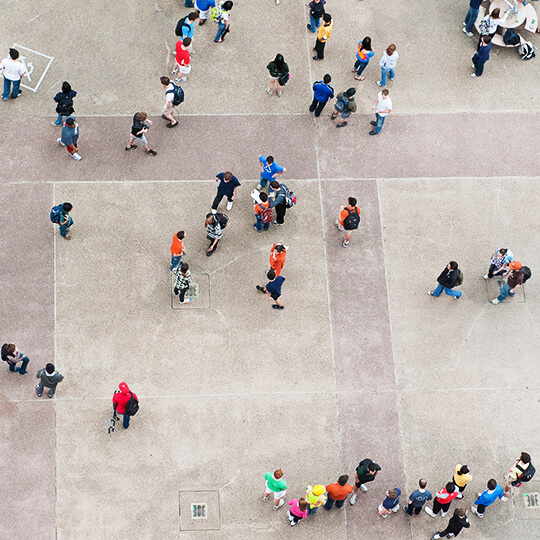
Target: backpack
(56,212)
(132,406)
(526,50)
(511,37)
(528,473)
(178,94)
(526,273)
(341,104)
(290,198)
(4,352)
(484,27)
(223,219)
(65,107)
(266,214)
(459,280)
(351,222)
(217,13)
(181,23)
(283,79)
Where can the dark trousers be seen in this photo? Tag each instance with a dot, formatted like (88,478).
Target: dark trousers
(438,506)
(317,106)
(125,423)
(281,210)
(218,198)
(215,247)
(330,503)
(492,270)
(22,370)
(481,508)
(182,293)
(411,508)
(478,66)
(319,47)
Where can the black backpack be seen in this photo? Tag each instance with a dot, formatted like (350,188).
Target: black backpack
(222,219)
(351,222)
(4,352)
(526,273)
(182,22)
(178,94)
(511,37)
(65,107)
(132,406)
(459,280)
(528,473)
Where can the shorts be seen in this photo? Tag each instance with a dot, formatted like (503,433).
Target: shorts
(277,494)
(272,78)
(141,139)
(185,69)
(345,114)
(275,297)
(166,107)
(203,15)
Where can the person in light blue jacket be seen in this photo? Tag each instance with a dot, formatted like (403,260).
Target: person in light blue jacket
(490,495)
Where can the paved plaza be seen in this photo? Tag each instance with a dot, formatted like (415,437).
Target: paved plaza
(360,363)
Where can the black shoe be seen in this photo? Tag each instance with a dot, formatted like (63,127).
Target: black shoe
(275,306)
(342,124)
(202,22)
(132,147)
(316,58)
(373,133)
(261,289)
(151,152)
(373,123)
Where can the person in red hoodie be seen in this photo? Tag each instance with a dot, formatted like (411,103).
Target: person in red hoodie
(120,400)
(443,498)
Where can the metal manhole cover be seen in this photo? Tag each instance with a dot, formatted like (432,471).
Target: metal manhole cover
(532,500)
(199,511)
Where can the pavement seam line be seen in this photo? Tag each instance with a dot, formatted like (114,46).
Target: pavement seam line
(54,360)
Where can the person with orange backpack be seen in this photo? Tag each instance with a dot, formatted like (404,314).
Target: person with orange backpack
(348,220)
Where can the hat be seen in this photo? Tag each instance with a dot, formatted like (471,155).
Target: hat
(515,265)
(318,490)
(124,388)
(70,121)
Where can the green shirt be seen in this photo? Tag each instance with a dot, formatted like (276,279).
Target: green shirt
(273,484)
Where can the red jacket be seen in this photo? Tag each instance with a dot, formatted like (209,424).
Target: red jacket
(120,399)
(444,497)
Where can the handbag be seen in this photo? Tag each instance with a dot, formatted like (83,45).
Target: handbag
(283,79)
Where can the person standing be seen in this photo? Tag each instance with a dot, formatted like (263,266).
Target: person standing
(461,477)
(277,486)
(204,7)
(279,73)
(472,15)
(64,103)
(443,499)
(316,11)
(448,279)
(13,71)
(182,60)
(12,356)
(177,249)
(456,524)
(269,170)
(182,282)
(338,492)
(382,108)
(263,212)
(214,233)
(138,133)
(514,280)
(70,137)
(222,18)
(168,109)
(487,498)
(50,378)
(297,510)
(278,256)
(489,24)
(348,220)
(279,201)
(322,92)
(323,35)
(185,28)
(500,260)
(315,497)
(521,471)
(63,218)
(418,498)
(120,402)
(481,57)
(189,3)
(273,288)
(365,472)
(388,63)
(390,503)
(363,56)
(346,105)
(228,187)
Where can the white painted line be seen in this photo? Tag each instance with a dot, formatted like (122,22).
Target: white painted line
(51,58)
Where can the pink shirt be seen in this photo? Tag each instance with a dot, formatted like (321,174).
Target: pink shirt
(295,509)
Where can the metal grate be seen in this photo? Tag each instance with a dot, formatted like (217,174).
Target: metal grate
(199,511)
(532,500)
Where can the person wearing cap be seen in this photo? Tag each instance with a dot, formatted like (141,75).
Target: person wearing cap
(120,400)
(382,108)
(461,477)
(277,486)
(315,497)
(365,472)
(345,105)
(500,259)
(13,71)
(447,281)
(278,255)
(337,492)
(514,280)
(70,137)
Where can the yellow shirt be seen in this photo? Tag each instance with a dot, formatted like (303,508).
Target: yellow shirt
(461,479)
(325,31)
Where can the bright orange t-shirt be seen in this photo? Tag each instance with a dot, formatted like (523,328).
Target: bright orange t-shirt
(344,213)
(337,492)
(277,260)
(177,247)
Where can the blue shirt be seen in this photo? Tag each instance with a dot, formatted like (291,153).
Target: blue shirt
(227,188)
(418,498)
(483,53)
(270,171)
(475,4)
(322,92)
(389,503)
(274,287)
(488,498)
(203,5)
(188,29)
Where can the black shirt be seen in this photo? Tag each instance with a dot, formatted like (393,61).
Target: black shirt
(137,126)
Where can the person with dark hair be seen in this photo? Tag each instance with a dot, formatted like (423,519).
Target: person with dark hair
(13,71)
(279,201)
(443,499)
(522,471)
(457,522)
(279,73)
(222,19)
(489,24)
(64,101)
(345,105)
(185,28)
(120,400)
(382,108)
(182,282)
(316,11)
(481,56)
(488,497)
(363,56)
(447,281)
(418,498)
(182,60)
(263,212)
(138,133)
(461,477)
(338,492)
(50,378)
(500,259)
(273,288)
(228,187)
(514,280)
(322,92)
(388,63)
(12,356)
(65,221)
(278,256)
(270,169)
(323,35)
(390,503)
(204,7)
(177,249)
(213,231)
(168,108)
(70,137)
(349,219)
(365,472)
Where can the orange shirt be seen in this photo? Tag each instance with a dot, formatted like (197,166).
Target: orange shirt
(343,214)
(177,247)
(277,260)
(259,207)
(337,492)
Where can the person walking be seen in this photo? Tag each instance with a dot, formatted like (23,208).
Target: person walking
(382,108)
(185,28)
(443,499)
(418,498)
(481,57)
(270,169)
(279,73)
(276,486)
(365,472)
(50,378)
(500,259)
(472,15)
(11,355)
(64,103)
(61,214)
(138,133)
(522,471)
(204,7)
(222,16)
(348,220)
(228,187)
(461,477)
(514,280)
(214,232)
(172,93)
(120,403)
(273,288)
(278,256)
(263,212)
(70,137)
(345,105)
(322,92)
(177,249)
(457,523)
(279,202)
(337,492)
(363,56)
(13,70)
(388,64)
(448,279)
(315,497)
(182,60)
(316,11)
(390,503)
(323,35)
(297,510)
(182,282)
(488,497)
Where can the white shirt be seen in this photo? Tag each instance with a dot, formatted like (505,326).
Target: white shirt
(12,69)
(169,97)
(383,104)
(389,62)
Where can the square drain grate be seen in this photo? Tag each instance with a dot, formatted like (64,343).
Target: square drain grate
(199,511)
(532,500)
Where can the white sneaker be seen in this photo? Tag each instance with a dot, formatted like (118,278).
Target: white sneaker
(339,226)
(486,276)
(174,71)
(495,301)
(430,293)
(464,24)
(363,488)
(470,34)
(76,156)
(229,205)
(396,508)
(268,91)
(280,504)
(279,93)
(436,536)
(474,510)
(60,142)
(473,74)
(259,187)
(353,500)
(265,498)
(429,511)
(443,513)
(459,495)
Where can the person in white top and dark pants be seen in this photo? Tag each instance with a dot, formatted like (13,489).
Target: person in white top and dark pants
(13,71)
(382,107)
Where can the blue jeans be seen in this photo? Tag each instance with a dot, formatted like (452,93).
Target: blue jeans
(449,292)
(478,66)
(360,66)
(259,225)
(125,423)
(263,181)
(505,292)
(470,19)
(22,369)
(59,120)
(175,261)
(330,503)
(380,122)
(52,389)
(7,88)
(189,3)
(64,228)
(314,23)
(222,30)
(385,73)
(311,509)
